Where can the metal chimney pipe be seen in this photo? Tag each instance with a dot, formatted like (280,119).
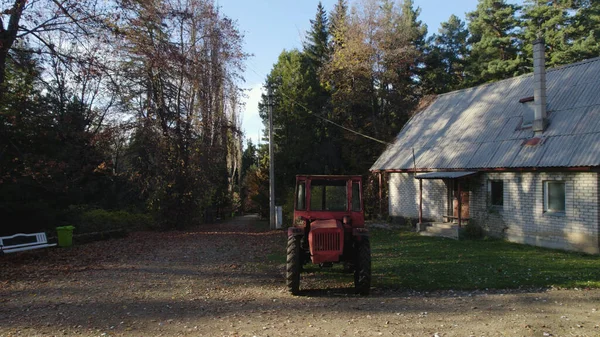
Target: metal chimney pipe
(540,120)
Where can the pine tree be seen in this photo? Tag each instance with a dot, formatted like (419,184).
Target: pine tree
(417,29)
(417,35)
(494,42)
(338,24)
(445,57)
(400,42)
(551,20)
(317,46)
(584,31)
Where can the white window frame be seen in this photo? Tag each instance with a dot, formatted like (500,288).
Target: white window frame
(554,211)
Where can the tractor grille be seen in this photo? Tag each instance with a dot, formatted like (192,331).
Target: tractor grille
(326,242)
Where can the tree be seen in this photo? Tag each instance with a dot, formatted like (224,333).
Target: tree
(36,21)
(583,32)
(249,157)
(494,42)
(52,156)
(549,19)
(256,185)
(401,44)
(297,130)
(445,57)
(182,62)
(168,68)
(372,76)
(317,45)
(338,24)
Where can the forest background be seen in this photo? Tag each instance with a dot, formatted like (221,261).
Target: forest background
(126,113)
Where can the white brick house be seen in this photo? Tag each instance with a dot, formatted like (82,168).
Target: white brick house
(523,168)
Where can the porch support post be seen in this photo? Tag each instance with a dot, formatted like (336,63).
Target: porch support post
(380,196)
(459,197)
(420,203)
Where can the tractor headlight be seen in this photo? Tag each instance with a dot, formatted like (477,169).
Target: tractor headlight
(347,220)
(300,222)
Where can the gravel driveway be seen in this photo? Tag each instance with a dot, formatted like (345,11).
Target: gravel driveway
(220,280)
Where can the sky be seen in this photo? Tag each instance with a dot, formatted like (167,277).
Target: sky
(270,26)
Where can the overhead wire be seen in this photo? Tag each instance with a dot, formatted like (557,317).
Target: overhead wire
(325,119)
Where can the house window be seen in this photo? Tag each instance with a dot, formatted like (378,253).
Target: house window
(554,196)
(496,192)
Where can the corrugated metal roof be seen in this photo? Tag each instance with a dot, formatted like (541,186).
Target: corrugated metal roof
(588,150)
(444,175)
(481,127)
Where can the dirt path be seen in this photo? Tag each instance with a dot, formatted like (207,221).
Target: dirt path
(214,281)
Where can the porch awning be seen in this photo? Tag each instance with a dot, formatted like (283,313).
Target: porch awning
(444,175)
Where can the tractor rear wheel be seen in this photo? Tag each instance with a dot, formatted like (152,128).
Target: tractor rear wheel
(362,271)
(294,264)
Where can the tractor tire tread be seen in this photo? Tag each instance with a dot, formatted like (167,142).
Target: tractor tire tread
(362,273)
(293,265)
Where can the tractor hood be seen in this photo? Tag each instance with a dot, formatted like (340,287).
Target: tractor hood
(329,223)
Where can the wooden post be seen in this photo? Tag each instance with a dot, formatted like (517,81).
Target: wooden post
(459,198)
(420,203)
(380,196)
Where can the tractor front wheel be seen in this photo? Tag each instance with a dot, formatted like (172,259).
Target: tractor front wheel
(362,271)
(294,264)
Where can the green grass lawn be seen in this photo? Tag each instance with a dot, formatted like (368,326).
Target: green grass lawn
(409,261)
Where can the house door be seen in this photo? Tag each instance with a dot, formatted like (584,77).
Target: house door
(464,193)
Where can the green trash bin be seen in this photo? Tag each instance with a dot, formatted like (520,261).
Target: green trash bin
(65,236)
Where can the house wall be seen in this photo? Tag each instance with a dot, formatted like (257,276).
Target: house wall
(404,197)
(522,218)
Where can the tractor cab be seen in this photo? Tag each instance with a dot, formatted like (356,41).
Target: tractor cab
(329,228)
(330,197)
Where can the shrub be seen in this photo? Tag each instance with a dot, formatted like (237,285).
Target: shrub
(472,231)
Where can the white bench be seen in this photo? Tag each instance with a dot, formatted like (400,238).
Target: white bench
(20,242)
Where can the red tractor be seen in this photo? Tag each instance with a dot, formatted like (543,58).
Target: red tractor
(329,227)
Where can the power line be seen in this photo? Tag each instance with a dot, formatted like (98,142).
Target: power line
(334,123)
(325,119)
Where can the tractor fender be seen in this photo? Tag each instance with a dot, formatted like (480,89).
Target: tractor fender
(359,233)
(295,231)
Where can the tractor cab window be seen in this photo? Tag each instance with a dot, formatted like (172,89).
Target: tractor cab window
(300,197)
(355,196)
(328,195)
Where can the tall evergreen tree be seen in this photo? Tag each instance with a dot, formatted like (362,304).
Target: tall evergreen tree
(317,45)
(338,24)
(400,42)
(551,19)
(418,30)
(494,29)
(445,57)
(584,31)
(249,157)
(299,134)
(417,39)
(318,51)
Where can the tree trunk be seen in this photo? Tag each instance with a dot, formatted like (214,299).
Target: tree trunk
(7,38)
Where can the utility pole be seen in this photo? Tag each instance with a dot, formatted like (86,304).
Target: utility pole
(271,162)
